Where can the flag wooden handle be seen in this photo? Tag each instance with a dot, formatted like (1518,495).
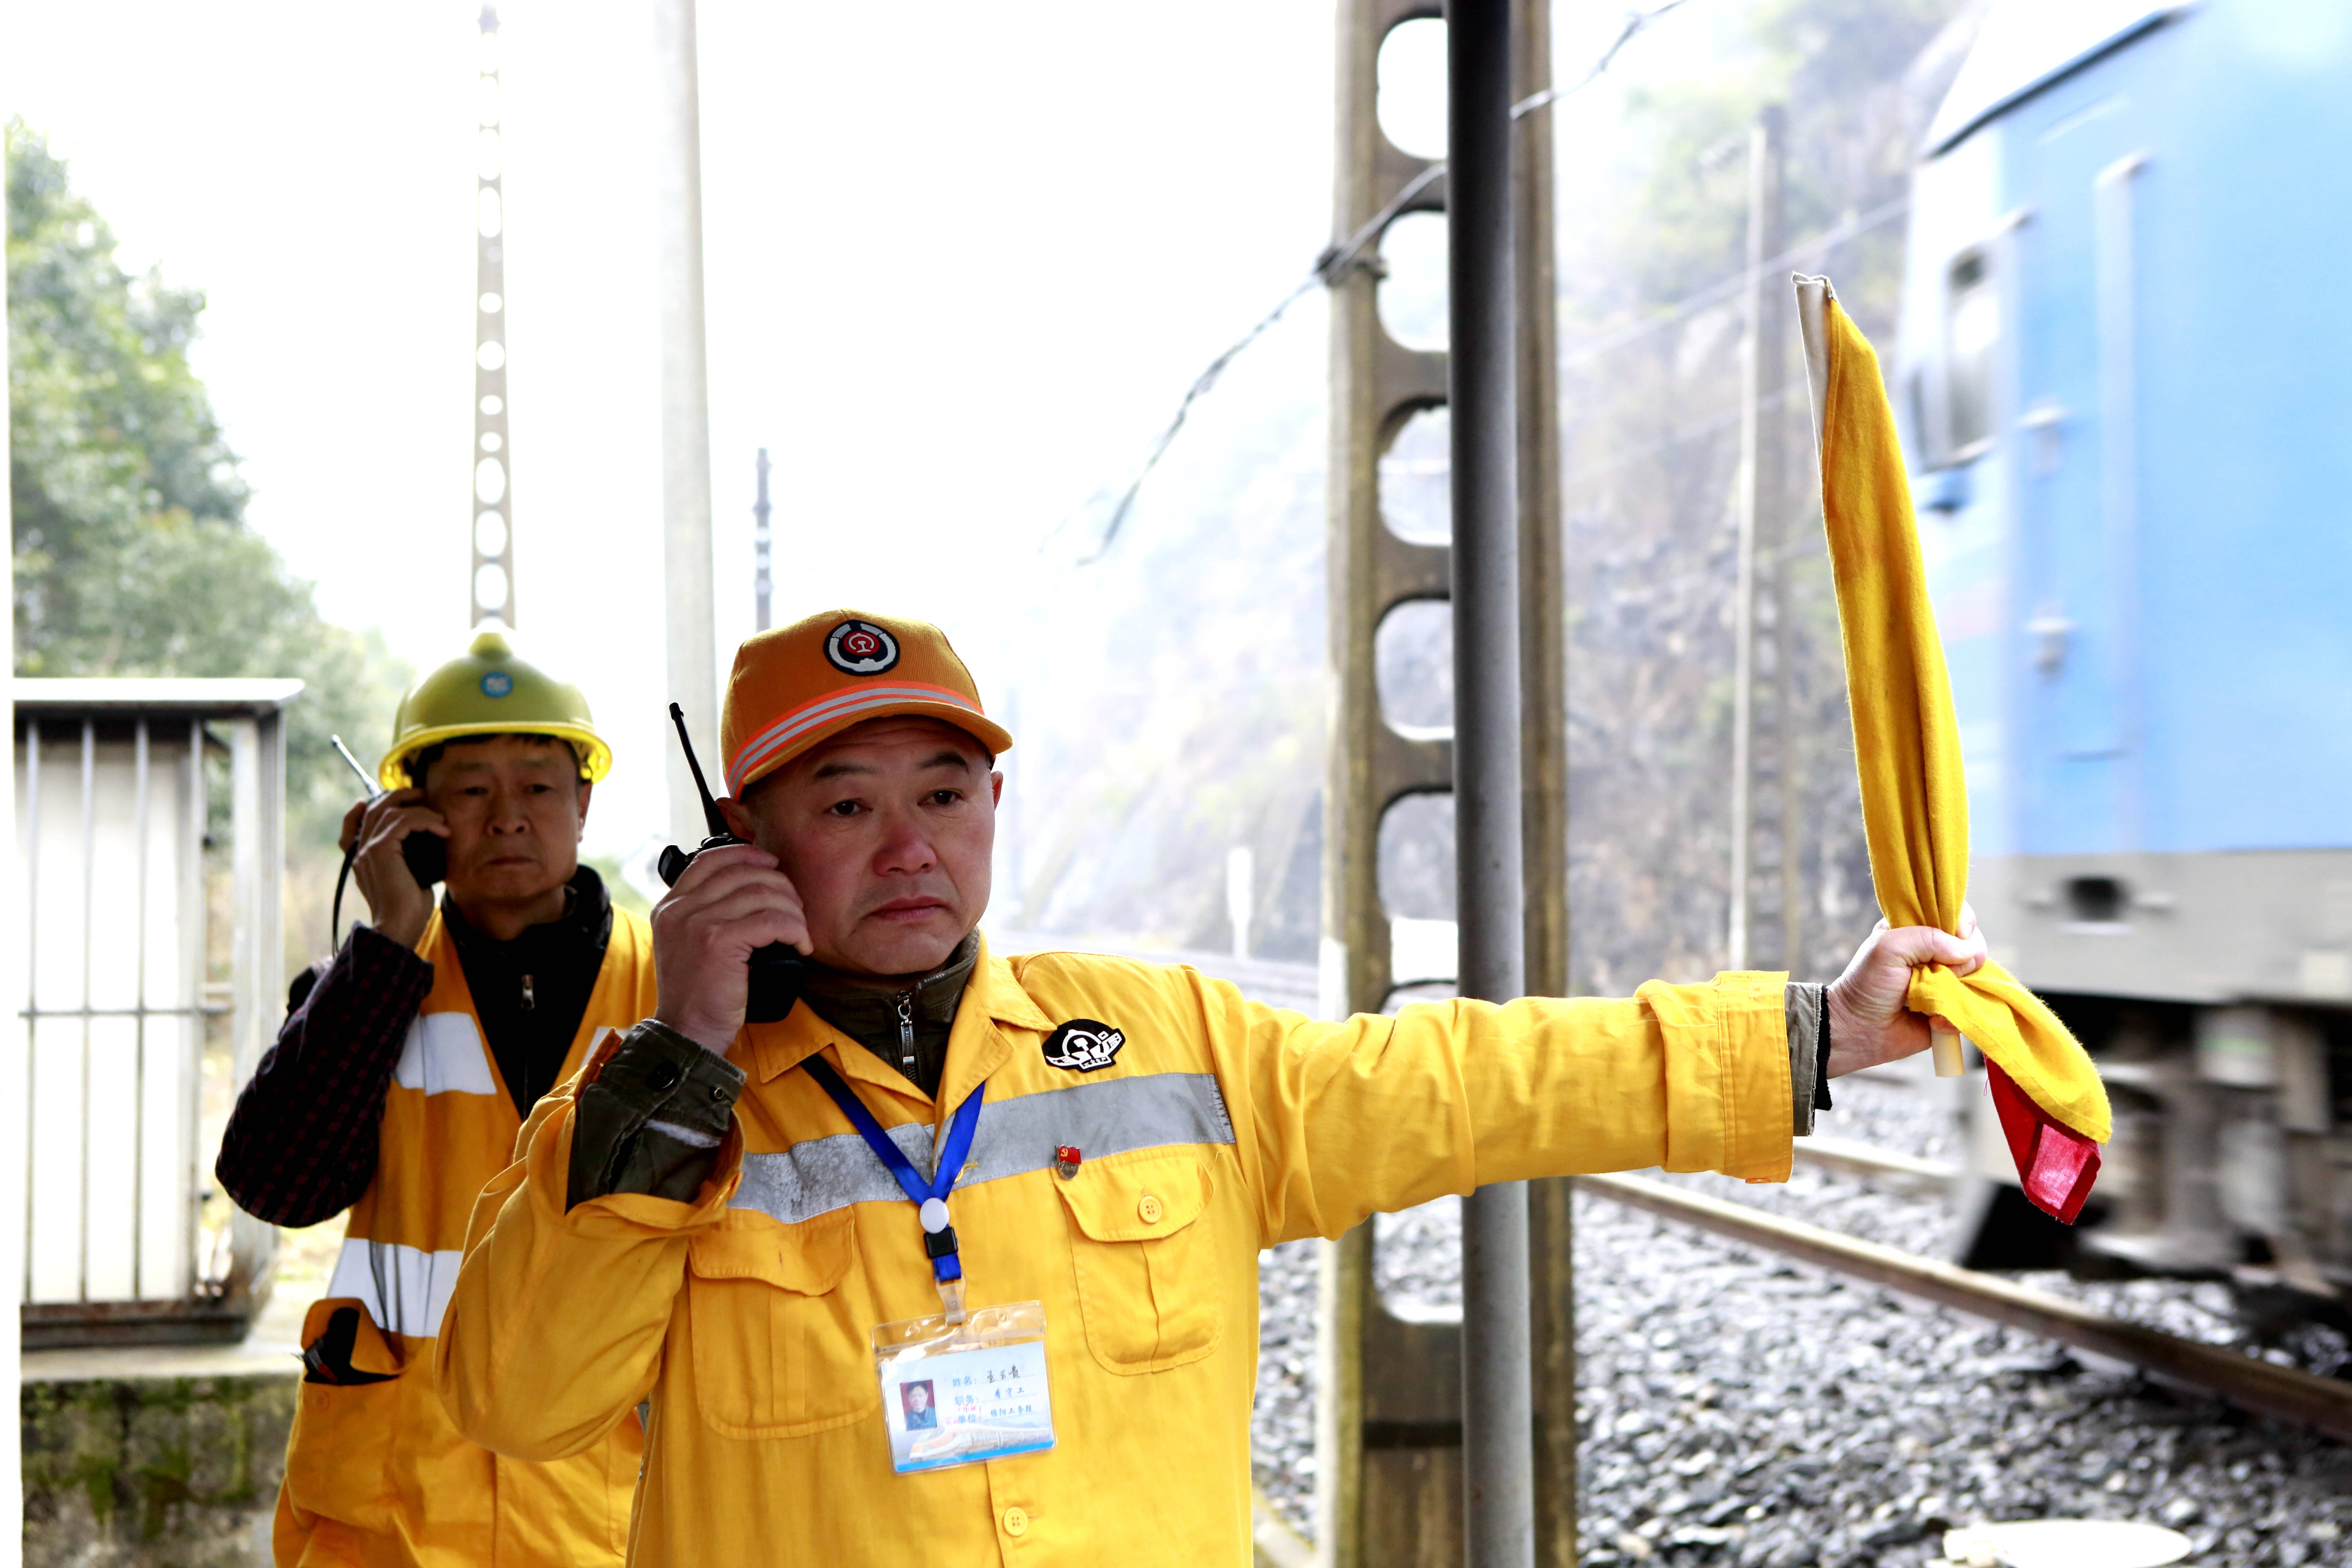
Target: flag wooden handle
(1950,1060)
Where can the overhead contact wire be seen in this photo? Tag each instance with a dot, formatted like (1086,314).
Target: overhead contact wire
(1334,263)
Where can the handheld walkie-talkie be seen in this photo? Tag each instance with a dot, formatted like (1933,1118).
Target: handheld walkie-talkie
(775,980)
(426,854)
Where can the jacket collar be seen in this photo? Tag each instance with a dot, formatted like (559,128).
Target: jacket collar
(976,1045)
(586,919)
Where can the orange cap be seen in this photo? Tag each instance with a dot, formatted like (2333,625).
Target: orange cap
(800,684)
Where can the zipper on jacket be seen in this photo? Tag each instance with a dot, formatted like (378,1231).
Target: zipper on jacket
(528,1001)
(907,1033)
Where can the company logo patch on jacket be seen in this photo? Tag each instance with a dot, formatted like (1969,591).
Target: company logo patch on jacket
(1082,1044)
(861,647)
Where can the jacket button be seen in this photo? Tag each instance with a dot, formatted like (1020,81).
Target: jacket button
(665,1076)
(1016,1522)
(1149,1209)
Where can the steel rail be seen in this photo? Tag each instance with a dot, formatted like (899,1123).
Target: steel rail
(1903,1172)
(2321,1402)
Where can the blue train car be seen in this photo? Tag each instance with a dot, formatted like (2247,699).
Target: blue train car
(2124,378)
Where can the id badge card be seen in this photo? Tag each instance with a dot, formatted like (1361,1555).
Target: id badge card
(964,1393)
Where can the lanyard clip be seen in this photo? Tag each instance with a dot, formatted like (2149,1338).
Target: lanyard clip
(947,1269)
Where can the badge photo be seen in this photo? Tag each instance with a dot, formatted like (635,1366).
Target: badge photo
(964,1393)
(861,647)
(1082,1045)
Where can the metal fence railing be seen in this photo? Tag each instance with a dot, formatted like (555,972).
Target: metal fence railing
(123,881)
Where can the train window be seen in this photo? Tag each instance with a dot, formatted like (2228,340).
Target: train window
(1972,332)
(2095,901)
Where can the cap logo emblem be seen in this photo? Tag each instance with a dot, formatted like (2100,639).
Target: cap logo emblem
(861,647)
(498,683)
(1082,1045)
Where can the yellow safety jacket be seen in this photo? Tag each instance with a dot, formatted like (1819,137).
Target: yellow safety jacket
(375,1472)
(1219,1127)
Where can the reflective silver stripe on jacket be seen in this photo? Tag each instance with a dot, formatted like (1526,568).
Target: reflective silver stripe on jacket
(404,1289)
(1016,1137)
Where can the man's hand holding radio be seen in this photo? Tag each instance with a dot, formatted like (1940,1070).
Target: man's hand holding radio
(399,904)
(731,903)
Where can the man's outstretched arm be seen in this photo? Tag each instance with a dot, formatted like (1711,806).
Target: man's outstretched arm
(1338,1120)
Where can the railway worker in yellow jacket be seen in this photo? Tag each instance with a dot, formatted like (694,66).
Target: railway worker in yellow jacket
(396,1087)
(1036,1345)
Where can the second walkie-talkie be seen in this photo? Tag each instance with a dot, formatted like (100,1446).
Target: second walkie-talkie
(775,979)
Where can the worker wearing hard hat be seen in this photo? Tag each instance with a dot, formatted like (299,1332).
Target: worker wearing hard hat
(1038,1342)
(396,1088)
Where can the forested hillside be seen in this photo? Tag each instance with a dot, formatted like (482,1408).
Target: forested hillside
(1188,661)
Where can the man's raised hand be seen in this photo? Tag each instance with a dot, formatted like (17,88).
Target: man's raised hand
(398,904)
(1868,1022)
(727,905)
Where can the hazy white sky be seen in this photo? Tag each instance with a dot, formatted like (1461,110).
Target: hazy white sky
(960,262)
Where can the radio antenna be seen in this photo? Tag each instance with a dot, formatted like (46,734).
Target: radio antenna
(711,817)
(365,777)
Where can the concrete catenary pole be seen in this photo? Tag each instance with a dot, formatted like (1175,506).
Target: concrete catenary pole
(15,1044)
(692,664)
(1496,1403)
(1543,764)
(493,575)
(763,556)
(1759,489)
(1776,520)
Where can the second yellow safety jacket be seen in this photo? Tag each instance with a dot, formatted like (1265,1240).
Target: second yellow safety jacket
(1209,1128)
(376,1473)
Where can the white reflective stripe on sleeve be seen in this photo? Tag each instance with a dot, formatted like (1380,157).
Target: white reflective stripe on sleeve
(404,1289)
(443,1055)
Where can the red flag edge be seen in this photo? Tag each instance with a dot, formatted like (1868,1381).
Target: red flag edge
(2055,1164)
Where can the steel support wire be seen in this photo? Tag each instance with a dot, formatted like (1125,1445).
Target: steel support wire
(1336,262)
(1498,1500)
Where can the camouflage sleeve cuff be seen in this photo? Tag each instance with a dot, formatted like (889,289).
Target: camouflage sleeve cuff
(1808,1014)
(653,1120)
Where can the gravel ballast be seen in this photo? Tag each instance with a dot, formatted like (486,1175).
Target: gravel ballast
(1737,1407)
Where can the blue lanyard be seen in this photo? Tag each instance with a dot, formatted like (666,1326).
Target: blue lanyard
(929,1198)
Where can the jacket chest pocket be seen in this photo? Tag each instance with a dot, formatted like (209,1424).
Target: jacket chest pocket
(1148,1277)
(778,1326)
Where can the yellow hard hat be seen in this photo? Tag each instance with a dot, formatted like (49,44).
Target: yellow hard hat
(490,691)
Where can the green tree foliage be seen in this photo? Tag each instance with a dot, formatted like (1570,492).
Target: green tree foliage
(130,550)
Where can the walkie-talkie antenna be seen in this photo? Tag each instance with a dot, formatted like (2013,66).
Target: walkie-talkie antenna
(365,777)
(711,817)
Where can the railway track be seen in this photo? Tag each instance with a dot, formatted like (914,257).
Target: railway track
(1881,1167)
(2323,1404)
